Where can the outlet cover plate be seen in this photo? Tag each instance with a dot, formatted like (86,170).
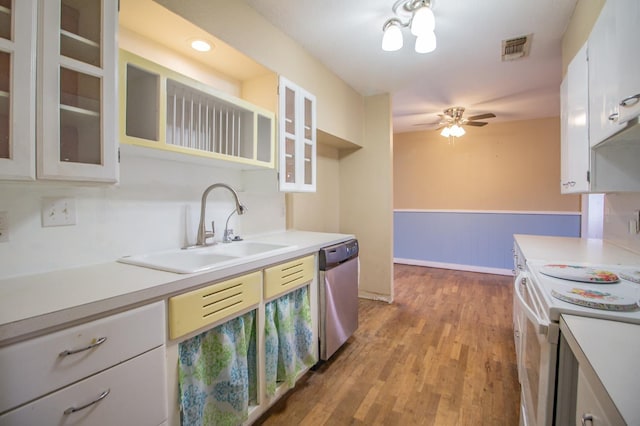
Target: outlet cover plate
(58,211)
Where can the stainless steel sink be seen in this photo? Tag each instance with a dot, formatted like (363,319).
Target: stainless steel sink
(200,259)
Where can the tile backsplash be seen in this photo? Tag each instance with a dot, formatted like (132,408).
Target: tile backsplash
(619,209)
(155,206)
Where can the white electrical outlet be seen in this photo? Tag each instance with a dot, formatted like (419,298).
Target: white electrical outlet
(58,211)
(4,227)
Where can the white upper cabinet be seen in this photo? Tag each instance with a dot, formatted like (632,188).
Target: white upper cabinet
(77,126)
(297,136)
(603,111)
(18,21)
(575,146)
(628,55)
(614,66)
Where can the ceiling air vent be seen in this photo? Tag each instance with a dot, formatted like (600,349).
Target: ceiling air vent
(516,48)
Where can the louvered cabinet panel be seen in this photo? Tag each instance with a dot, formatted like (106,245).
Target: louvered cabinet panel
(191,311)
(287,276)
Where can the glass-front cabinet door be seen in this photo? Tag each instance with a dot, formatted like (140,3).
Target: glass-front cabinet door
(76,136)
(18,21)
(297,136)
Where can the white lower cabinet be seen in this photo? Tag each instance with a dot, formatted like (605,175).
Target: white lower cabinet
(589,409)
(131,393)
(121,356)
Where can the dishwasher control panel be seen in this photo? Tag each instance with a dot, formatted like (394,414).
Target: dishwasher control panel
(338,253)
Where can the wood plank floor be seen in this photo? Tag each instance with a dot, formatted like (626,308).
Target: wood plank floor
(441,354)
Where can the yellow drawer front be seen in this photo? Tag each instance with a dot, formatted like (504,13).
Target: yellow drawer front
(279,279)
(196,309)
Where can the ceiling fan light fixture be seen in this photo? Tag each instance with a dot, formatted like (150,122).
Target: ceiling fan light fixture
(423,22)
(392,37)
(426,43)
(457,131)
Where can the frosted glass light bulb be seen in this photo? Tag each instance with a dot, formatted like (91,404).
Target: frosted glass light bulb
(392,38)
(423,21)
(426,43)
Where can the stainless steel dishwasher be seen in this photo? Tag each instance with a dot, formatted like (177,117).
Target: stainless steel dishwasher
(339,276)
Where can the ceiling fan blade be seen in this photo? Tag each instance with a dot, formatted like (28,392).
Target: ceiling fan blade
(475,123)
(482,116)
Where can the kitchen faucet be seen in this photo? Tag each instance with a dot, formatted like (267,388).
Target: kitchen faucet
(226,238)
(203,234)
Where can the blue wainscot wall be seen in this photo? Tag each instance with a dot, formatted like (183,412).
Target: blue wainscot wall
(472,240)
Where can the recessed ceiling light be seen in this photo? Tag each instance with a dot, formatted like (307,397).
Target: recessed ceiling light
(200,45)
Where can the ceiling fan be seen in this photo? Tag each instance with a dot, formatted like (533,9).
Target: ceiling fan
(452,121)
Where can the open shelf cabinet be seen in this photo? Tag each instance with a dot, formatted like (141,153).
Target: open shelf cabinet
(164,110)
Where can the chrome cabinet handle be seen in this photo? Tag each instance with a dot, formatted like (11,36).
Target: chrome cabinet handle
(630,101)
(98,342)
(613,117)
(102,396)
(587,418)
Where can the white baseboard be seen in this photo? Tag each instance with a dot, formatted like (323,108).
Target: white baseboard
(454,266)
(375,296)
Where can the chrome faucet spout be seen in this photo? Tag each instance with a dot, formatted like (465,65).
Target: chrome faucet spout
(226,238)
(203,234)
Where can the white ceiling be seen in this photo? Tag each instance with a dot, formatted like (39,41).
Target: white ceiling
(465,69)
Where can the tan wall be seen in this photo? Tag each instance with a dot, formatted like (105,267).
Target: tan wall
(319,211)
(262,91)
(366,199)
(161,55)
(340,108)
(577,32)
(502,166)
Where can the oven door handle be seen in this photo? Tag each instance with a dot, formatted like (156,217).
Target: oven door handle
(542,326)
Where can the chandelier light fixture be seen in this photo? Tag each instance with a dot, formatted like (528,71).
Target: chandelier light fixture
(417,15)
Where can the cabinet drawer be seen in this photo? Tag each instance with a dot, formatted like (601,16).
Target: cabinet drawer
(41,365)
(593,402)
(190,311)
(137,396)
(279,279)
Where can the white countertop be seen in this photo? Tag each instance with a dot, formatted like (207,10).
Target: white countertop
(568,249)
(33,303)
(612,350)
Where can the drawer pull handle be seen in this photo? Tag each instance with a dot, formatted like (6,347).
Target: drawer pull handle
(630,101)
(587,418)
(98,342)
(102,396)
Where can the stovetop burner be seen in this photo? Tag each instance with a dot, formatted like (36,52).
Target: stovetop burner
(594,290)
(596,299)
(585,274)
